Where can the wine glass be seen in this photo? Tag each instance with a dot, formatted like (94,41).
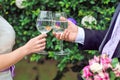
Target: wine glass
(44,23)
(59,27)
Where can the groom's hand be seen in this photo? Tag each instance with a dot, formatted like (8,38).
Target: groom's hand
(69,34)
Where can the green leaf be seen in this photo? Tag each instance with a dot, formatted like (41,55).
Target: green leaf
(115,61)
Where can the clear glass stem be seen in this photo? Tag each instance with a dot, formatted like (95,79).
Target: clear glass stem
(43,52)
(61,45)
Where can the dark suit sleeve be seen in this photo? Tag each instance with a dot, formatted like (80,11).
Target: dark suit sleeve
(93,39)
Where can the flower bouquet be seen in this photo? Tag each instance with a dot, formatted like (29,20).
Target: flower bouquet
(102,68)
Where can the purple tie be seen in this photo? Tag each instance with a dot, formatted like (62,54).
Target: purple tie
(111,45)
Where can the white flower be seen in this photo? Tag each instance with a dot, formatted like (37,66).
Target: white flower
(88,19)
(96,67)
(117,67)
(19,4)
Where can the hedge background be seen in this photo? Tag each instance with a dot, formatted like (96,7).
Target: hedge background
(24,22)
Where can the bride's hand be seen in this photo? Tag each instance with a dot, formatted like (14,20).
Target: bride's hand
(36,44)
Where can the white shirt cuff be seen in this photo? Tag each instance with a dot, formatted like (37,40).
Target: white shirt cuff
(80,36)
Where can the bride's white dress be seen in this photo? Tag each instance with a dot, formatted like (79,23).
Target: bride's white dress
(7,41)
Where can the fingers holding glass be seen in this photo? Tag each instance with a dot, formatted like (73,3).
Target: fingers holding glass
(41,46)
(65,35)
(44,23)
(60,24)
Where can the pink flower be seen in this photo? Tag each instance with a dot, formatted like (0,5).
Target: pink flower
(98,67)
(97,58)
(89,79)
(97,77)
(105,61)
(116,70)
(117,74)
(86,72)
(92,61)
(102,76)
